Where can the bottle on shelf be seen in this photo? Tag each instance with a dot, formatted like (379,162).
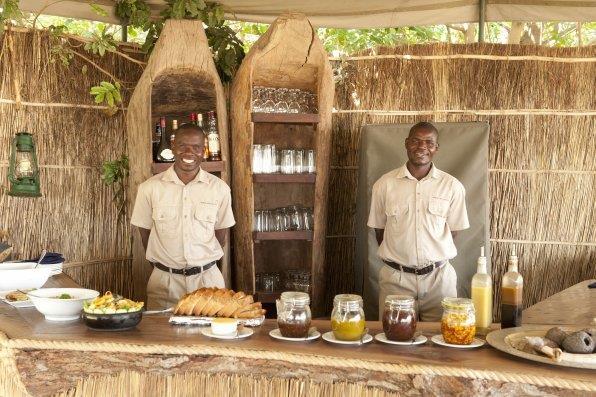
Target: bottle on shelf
(173,134)
(482,296)
(206,141)
(193,118)
(164,151)
(213,137)
(511,294)
(155,141)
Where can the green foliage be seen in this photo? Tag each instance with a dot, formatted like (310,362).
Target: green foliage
(98,10)
(135,13)
(10,11)
(101,42)
(58,51)
(115,174)
(228,50)
(109,94)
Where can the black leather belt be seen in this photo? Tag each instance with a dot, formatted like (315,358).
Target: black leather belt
(417,271)
(189,271)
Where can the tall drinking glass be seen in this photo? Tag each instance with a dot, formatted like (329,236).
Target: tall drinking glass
(311,162)
(257,159)
(298,161)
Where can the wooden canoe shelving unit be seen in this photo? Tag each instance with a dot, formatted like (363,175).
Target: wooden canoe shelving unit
(180,78)
(288,55)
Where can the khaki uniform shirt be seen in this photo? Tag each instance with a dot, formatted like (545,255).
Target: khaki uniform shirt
(418,216)
(183,218)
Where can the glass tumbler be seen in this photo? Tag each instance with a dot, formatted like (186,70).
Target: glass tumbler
(298,161)
(287,161)
(311,161)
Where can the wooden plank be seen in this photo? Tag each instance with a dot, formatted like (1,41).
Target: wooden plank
(181,54)
(286,118)
(284,178)
(288,55)
(209,166)
(287,235)
(574,305)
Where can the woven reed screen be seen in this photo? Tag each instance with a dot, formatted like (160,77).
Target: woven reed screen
(76,215)
(542,171)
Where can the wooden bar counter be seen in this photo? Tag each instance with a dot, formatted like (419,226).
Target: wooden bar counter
(157,358)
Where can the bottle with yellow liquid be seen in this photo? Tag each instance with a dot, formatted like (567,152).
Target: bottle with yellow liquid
(482,296)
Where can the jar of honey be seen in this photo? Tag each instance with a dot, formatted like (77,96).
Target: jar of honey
(458,324)
(347,317)
(399,318)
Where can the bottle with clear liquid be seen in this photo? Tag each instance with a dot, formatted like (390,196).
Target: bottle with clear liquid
(206,141)
(511,294)
(482,296)
(173,134)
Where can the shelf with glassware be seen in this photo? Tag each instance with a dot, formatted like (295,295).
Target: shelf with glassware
(281,124)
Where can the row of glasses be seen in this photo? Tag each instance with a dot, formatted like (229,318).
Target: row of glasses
(267,160)
(297,280)
(283,219)
(283,100)
(268,282)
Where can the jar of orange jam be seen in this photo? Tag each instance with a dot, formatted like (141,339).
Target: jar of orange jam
(458,324)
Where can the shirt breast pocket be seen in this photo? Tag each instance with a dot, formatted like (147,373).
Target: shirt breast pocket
(166,220)
(205,216)
(438,207)
(396,216)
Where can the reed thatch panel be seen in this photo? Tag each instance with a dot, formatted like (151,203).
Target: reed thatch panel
(76,215)
(340,275)
(541,154)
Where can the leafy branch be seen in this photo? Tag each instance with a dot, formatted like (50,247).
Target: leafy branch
(115,174)
(109,94)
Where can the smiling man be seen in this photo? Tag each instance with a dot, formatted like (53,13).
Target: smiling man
(416,211)
(182,215)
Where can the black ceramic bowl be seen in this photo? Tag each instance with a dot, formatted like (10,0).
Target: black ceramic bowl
(113,322)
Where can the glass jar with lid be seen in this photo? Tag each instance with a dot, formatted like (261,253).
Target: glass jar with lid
(399,318)
(458,324)
(347,317)
(293,314)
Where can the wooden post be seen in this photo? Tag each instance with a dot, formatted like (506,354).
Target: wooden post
(181,55)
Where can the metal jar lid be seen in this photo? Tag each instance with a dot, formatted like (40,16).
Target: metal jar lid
(296,298)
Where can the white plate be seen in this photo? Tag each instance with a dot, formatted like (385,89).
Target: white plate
(243,333)
(18,304)
(438,339)
(329,337)
(418,340)
(312,335)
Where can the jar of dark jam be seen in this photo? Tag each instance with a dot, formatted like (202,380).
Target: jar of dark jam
(293,314)
(399,318)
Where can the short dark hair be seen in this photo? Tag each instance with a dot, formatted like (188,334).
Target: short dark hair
(189,127)
(424,125)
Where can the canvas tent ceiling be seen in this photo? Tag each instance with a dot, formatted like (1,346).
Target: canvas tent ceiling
(356,13)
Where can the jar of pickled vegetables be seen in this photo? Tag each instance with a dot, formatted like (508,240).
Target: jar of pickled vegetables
(458,324)
(347,317)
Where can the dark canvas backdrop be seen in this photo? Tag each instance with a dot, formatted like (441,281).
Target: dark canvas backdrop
(463,153)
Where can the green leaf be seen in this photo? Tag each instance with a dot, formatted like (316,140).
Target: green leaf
(117,96)
(98,10)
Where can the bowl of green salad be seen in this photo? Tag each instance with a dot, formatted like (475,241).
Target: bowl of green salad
(61,304)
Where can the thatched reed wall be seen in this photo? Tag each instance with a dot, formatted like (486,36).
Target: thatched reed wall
(76,215)
(542,171)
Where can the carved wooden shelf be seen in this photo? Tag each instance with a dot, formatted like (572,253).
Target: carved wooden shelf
(286,118)
(284,178)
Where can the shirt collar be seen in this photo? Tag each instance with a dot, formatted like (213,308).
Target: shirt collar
(404,172)
(170,176)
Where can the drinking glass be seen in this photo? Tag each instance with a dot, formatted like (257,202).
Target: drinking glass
(257,99)
(287,161)
(280,99)
(295,218)
(268,281)
(257,159)
(294,101)
(258,281)
(258,221)
(278,161)
(268,101)
(307,218)
(267,159)
(298,161)
(311,162)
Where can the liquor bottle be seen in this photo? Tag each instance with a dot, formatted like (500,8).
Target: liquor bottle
(511,295)
(213,137)
(155,141)
(482,296)
(173,134)
(206,142)
(193,118)
(164,152)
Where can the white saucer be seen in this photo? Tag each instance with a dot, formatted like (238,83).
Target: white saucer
(438,339)
(243,333)
(312,335)
(418,340)
(329,337)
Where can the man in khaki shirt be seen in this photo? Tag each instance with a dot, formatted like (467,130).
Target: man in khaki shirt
(182,215)
(416,211)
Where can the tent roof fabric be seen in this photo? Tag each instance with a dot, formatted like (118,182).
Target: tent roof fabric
(356,13)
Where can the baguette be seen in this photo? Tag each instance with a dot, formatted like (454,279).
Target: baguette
(218,302)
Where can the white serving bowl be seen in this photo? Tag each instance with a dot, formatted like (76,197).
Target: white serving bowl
(22,276)
(55,309)
(56,268)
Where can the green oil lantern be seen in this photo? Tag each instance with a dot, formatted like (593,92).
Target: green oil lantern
(23,172)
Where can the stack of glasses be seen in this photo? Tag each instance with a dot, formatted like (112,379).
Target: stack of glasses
(297,280)
(268,282)
(267,160)
(283,219)
(283,100)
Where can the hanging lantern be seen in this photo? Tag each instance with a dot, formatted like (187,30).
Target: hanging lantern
(23,172)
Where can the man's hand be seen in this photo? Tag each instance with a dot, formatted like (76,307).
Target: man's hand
(379,234)
(144,236)
(220,235)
